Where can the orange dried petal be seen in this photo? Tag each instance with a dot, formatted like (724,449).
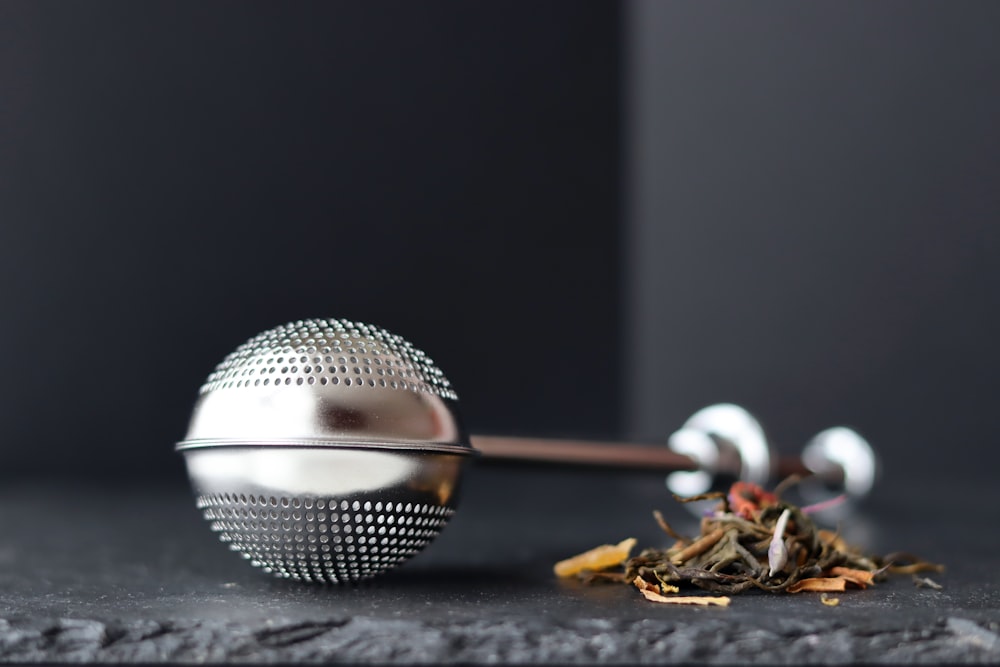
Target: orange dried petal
(819,584)
(861,578)
(702,600)
(598,558)
(644,585)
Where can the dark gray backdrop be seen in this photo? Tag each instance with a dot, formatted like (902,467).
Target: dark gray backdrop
(595,217)
(176,177)
(815,197)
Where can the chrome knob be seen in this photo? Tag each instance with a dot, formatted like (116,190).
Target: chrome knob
(726,441)
(842,462)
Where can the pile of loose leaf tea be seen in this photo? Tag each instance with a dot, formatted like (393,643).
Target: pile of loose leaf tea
(752,540)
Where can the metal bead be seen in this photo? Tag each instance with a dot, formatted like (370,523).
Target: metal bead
(842,462)
(727,442)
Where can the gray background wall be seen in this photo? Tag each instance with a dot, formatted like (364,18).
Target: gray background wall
(178,176)
(814,192)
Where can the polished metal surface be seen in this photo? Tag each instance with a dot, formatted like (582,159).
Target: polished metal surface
(726,441)
(327,383)
(324,514)
(326,450)
(841,461)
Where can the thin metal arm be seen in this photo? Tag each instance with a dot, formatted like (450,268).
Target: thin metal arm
(619,455)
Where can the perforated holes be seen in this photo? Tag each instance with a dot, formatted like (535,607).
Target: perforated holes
(271,351)
(321,546)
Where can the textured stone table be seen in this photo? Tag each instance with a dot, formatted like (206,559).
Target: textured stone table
(132,574)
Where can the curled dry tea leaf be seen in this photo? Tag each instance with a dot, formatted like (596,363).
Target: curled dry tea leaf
(819,584)
(698,547)
(598,558)
(702,600)
(914,568)
(901,562)
(862,578)
(667,528)
(711,495)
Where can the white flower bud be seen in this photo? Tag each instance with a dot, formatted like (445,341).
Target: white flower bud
(777,552)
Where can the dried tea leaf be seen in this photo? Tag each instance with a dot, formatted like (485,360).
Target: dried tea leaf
(914,568)
(828,601)
(598,558)
(644,585)
(785,484)
(819,584)
(698,547)
(776,548)
(901,562)
(926,582)
(702,600)
(862,578)
(711,495)
(667,528)
(833,540)
(594,577)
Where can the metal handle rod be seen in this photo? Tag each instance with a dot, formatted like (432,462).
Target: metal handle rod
(617,455)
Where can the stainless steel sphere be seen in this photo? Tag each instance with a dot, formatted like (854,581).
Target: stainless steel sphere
(326,450)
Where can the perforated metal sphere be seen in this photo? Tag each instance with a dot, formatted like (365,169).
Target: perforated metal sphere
(326,450)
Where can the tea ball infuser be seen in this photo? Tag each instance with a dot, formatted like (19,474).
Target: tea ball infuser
(326,450)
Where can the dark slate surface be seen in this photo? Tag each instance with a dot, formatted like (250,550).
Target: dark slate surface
(97,572)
